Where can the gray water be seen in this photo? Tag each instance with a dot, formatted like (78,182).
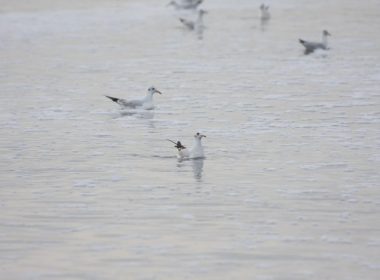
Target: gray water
(289,188)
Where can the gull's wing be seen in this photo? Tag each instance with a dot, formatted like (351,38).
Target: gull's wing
(130,103)
(126,103)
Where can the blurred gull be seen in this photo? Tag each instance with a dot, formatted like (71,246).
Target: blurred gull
(264,15)
(182,152)
(312,46)
(144,103)
(196,150)
(185,4)
(197,24)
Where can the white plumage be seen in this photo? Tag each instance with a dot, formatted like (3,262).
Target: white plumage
(144,103)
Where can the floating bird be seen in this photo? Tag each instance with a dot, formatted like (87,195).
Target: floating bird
(197,24)
(196,150)
(265,15)
(144,103)
(185,4)
(312,46)
(182,151)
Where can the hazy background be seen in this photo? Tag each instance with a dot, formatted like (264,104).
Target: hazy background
(290,185)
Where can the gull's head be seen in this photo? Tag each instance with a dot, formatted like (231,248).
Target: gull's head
(153,90)
(326,33)
(199,136)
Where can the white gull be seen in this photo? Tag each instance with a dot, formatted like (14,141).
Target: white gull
(144,103)
(195,152)
(264,15)
(312,46)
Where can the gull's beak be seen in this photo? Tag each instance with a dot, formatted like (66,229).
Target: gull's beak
(158,91)
(203,136)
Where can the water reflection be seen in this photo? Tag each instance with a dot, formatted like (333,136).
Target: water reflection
(264,24)
(196,165)
(148,115)
(195,25)
(200,31)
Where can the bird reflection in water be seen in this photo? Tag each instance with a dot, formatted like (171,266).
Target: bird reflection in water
(140,114)
(196,165)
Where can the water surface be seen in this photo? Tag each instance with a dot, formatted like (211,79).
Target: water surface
(290,185)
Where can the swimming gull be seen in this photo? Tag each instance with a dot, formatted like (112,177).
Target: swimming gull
(196,151)
(264,15)
(312,46)
(144,103)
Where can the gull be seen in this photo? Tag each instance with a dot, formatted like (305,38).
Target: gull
(182,152)
(195,152)
(265,15)
(198,23)
(185,4)
(145,103)
(312,46)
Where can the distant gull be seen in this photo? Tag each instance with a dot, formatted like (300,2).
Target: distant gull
(265,15)
(196,150)
(185,4)
(198,23)
(312,46)
(144,103)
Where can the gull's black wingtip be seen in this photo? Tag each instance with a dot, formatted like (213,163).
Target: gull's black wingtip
(114,99)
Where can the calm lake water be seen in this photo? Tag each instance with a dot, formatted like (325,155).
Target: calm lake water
(290,185)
